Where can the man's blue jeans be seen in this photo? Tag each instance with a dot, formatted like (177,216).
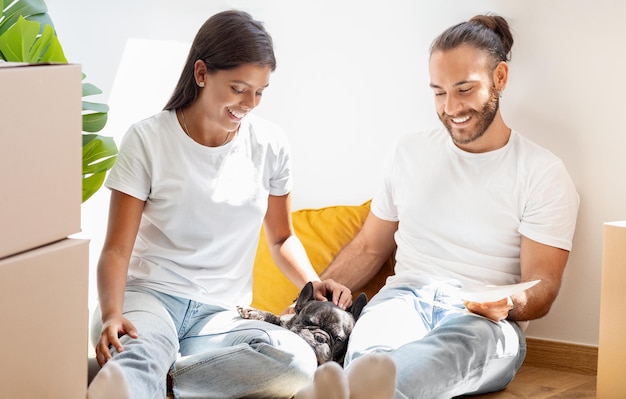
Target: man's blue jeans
(439,352)
(211,352)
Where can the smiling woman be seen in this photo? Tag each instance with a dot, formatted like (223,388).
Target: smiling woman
(224,99)
(191,188)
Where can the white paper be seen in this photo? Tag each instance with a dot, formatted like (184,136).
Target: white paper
(491,293)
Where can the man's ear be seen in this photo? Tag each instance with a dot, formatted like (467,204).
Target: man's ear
(501,76)
(305,296)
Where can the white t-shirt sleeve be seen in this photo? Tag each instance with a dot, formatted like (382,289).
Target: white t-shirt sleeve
(281,181)
(131,172)
(383,205)
(551,208)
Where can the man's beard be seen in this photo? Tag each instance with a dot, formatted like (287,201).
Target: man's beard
(484,118)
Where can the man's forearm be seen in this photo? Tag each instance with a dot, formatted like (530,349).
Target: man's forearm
(363,257)
(533,303)
(353,267)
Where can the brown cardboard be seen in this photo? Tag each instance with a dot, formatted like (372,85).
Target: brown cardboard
(40,155)
(612,346)
(43,339)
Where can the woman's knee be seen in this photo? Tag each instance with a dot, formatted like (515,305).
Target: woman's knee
(299,354)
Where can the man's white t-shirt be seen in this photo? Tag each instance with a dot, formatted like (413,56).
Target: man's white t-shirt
(204,208)
(461,215)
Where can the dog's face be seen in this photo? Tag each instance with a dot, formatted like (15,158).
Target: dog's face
(323,325)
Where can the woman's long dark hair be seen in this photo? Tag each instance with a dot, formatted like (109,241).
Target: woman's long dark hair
(225,41)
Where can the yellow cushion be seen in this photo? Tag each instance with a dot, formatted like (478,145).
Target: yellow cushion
(323,232)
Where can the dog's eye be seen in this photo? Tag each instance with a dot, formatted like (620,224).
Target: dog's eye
(321,338)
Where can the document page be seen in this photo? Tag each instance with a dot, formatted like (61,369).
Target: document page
(491,293)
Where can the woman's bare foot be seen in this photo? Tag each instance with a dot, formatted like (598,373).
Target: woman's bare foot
(109,383)
(329,382)
(372,376)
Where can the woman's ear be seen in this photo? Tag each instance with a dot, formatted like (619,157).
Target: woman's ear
(200,72)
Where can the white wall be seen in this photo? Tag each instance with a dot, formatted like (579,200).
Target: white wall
(352,77)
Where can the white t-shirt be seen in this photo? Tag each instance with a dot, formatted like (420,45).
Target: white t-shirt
(204,206)
(461,215)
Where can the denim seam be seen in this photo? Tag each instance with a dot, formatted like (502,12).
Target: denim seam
(271,341)
(189,312)
(183,370)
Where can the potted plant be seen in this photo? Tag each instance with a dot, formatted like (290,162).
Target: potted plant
(27,35)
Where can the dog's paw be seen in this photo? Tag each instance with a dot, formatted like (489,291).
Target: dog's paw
(243,312)
(248,313)
(256,314)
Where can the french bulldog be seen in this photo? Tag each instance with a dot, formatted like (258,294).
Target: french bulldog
(322,324)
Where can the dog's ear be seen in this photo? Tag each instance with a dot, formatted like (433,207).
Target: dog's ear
(306,295)
(357,306)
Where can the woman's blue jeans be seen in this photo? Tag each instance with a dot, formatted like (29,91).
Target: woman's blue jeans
(438,352)
(209,352)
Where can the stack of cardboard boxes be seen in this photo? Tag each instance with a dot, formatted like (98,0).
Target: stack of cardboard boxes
(43,273)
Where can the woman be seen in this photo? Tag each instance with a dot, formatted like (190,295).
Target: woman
(189,192)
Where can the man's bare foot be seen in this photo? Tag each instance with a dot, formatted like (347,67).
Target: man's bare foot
(372,376)
(329,382)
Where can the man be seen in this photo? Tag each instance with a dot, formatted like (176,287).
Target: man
(471,203)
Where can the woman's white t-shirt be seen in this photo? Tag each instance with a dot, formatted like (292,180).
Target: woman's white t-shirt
(204,208)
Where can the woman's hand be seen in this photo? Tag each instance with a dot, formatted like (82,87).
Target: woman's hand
(112,329)
(494,311)
(340,294)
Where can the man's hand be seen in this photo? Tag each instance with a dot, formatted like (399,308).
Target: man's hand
(112,329)
(340,294)
(291,309)
(495,311)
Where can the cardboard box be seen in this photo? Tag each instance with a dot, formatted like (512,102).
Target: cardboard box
(40,155)
(612,346)
(43,339)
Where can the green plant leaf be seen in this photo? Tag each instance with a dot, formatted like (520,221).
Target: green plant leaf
(101,165)
(53,52)
(92,184)
(94,122)
(96,107)
(32,10)
(99,155)
(22,42)
(96,148)
(18,39)
(90,89)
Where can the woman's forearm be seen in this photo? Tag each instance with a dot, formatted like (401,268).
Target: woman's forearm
(111,274)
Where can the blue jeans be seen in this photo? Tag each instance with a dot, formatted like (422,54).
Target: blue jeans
(439,353)
(210,352)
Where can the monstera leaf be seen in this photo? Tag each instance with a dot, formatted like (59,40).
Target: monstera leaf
(99,152)
(27,35)
(29,41)
(99,155)
(33,10)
